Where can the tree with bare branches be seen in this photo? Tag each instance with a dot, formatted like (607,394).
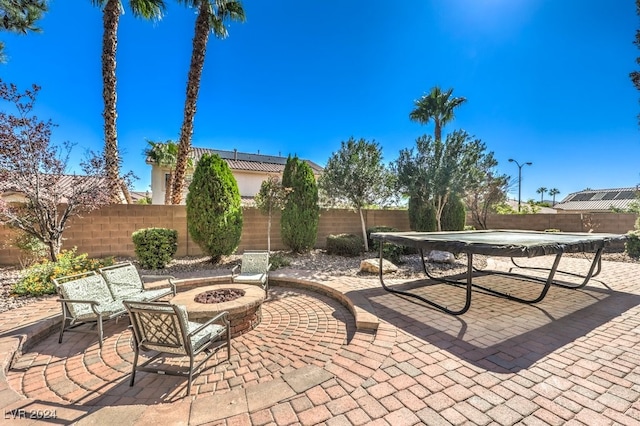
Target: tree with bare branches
(35,170)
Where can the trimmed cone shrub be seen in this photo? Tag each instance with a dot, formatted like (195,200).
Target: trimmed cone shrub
(454,215)
(422,215)
(214,213)
(155,247)
(301,214)
(344,245)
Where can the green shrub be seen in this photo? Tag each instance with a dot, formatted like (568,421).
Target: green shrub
(422,216)
(31,249)
(453,215)
(38,279)
(278,261)
(391,252)
(345,244)
(632,246)
(637,224)
(214,213)
(469,228)
(155,247)
(301,214)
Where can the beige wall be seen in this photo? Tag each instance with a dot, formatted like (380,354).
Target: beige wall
(108,231)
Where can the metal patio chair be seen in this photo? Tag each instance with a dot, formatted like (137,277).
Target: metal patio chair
(166,329)
(253,270)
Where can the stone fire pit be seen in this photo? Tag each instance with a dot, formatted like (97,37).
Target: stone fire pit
(245,312)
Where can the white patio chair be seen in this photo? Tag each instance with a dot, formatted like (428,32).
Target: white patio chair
(253,270)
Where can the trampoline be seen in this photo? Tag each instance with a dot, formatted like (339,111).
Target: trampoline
(501,243)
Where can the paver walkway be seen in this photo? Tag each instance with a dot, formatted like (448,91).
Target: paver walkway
(574,358)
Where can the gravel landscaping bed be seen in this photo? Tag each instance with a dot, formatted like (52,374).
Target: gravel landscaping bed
(316,261)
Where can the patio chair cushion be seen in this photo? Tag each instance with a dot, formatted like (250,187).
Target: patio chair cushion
(148,295)
(251,278)
(92,287)
(163,331)
(123,282)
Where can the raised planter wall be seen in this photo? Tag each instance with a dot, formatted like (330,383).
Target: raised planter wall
(107,232)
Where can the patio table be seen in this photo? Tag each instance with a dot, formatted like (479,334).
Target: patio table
(501,243)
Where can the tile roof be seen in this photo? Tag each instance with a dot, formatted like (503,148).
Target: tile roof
(249,162)
(599,199)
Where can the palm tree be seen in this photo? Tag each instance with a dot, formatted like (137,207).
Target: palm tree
(553,192)
(436,105)
(541,191)
(164,155)
(111,10)
(212,15)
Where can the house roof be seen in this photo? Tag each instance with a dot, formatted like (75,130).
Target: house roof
(599,199)
(248,162)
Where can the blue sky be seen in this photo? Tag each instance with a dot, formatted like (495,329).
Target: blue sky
(546,81)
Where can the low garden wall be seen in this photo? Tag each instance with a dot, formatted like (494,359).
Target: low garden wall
(107,232)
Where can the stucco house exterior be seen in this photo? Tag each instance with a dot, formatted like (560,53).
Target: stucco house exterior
(250,170)
(598,200)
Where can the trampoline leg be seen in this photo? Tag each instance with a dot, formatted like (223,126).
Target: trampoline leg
(467,304)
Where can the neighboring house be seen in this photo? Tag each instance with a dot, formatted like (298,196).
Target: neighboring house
(10,194)
(598,200)
(250,170)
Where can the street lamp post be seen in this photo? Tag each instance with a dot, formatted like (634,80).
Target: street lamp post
(528,163)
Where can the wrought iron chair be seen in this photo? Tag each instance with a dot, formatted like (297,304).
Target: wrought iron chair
(253,270)
(166,329)
(86,299)
(125,283)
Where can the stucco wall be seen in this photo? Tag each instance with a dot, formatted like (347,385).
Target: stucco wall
(108,231)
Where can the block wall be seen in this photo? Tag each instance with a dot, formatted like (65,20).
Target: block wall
(107,232)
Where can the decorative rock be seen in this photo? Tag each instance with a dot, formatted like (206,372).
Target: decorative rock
(373,266)
(440,257)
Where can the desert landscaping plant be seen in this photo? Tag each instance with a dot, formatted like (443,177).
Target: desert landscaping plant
(37,280)
(344,245)
(356,176)
(214,213)
(155,247)
(301,214)
(269,199)
(36,169)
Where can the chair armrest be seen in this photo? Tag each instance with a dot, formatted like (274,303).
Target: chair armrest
(269,267)
(168,278)
(221,315)
(93,302)
(233,271)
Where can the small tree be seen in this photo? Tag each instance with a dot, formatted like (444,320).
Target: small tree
(36,169)
(356,176)
(271,197)
(214,213)
(439,168)
(486,190)
(301,214)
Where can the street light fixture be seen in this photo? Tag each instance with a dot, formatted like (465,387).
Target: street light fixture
(528,163)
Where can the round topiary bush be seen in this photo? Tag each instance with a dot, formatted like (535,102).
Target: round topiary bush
(632,246)
(214,212)
(155,247)
(344,245)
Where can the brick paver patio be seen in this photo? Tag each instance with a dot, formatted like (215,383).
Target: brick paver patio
(573,358)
